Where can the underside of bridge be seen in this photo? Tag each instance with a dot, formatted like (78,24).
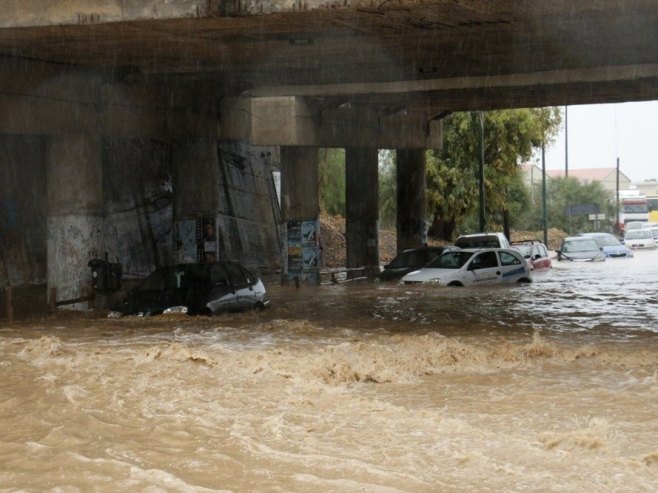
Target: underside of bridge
(430,56)
(106,107)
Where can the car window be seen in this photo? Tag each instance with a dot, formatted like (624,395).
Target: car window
(580,246)
(235,274)
(450,260)
(484,260)
(218,275)
(524,249)
(543,251)
(509,259)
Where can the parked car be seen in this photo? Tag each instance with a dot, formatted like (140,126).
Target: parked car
(410,260)
(473,267)
(195,289)
(654,230)
(609,245)
(535,253)
(580,249)
(639,239)
(483,240)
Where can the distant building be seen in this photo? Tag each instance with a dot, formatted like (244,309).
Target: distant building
(648,188)
(531,174)
(607,177)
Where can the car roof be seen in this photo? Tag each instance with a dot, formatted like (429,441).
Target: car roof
(471,235)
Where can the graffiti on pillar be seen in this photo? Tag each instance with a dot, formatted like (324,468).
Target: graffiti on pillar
(197,240)
(209,240)
(303,250)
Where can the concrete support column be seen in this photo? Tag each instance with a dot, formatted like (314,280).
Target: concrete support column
(195,172)
(362,209)
(75,214)
(300,210)
(411,199)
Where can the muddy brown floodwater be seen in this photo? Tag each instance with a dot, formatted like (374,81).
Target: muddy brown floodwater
(551,386)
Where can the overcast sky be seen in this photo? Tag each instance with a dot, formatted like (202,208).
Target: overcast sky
(598,134)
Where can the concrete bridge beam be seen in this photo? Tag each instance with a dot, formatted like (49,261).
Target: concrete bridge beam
(294,121)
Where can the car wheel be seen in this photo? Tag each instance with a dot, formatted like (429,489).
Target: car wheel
(456,283)
(524,280)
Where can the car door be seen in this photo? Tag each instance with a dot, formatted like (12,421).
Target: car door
(222,297)
(242,287)
(512,266)
(484,268)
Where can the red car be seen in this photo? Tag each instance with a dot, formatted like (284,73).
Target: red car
(535,253)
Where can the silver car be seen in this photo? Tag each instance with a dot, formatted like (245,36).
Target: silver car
(195,289)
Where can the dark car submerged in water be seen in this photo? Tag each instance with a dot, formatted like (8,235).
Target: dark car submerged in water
(195,289)
(410,260)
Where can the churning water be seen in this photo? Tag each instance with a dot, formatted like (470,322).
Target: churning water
(551,386)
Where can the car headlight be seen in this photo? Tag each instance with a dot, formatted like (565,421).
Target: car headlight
(436,280)
(176,309)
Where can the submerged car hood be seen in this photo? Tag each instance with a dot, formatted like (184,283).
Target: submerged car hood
(428,274)
(617,251)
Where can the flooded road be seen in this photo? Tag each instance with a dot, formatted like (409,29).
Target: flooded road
(551,386)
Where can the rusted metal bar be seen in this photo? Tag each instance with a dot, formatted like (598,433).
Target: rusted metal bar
(52,299)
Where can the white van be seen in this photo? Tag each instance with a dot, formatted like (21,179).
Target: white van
(483,240)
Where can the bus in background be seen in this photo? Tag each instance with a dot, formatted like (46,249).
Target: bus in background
(652,203)
(632,209)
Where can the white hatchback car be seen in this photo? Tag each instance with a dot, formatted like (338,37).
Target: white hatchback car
(473,266)
(639,238)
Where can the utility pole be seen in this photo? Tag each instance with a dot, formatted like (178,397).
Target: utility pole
(543,192)
(617,228)
(481,173)
(566,141)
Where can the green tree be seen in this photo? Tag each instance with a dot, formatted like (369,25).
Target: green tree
(387,189)
(564,192)
(452,171)
(331,168)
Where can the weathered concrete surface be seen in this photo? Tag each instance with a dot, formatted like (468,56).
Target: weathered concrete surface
(22,210)
(362,208)
(411,199)
(75,213)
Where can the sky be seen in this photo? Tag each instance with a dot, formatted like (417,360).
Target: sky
(599,134)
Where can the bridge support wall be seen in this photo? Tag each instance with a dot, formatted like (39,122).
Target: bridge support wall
(300,209)
(362,209)
(75,214)
(411,199)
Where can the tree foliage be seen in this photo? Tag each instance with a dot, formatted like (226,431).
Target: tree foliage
(331,168)
(564,192)
(452,171)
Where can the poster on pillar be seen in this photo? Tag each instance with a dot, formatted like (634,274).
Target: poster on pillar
(303,257)
(197,240)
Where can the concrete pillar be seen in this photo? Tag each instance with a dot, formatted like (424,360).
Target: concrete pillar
(362,209)
(300,210)
(195,171)
(411,199)
(75,214)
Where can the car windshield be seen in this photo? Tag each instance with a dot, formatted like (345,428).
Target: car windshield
(179,277)
(406,259)
(584,245)
(524,249)
(607,240)
(638,234)
(450,260)
(483,241)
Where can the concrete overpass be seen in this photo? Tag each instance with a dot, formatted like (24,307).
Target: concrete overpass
(82,82)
